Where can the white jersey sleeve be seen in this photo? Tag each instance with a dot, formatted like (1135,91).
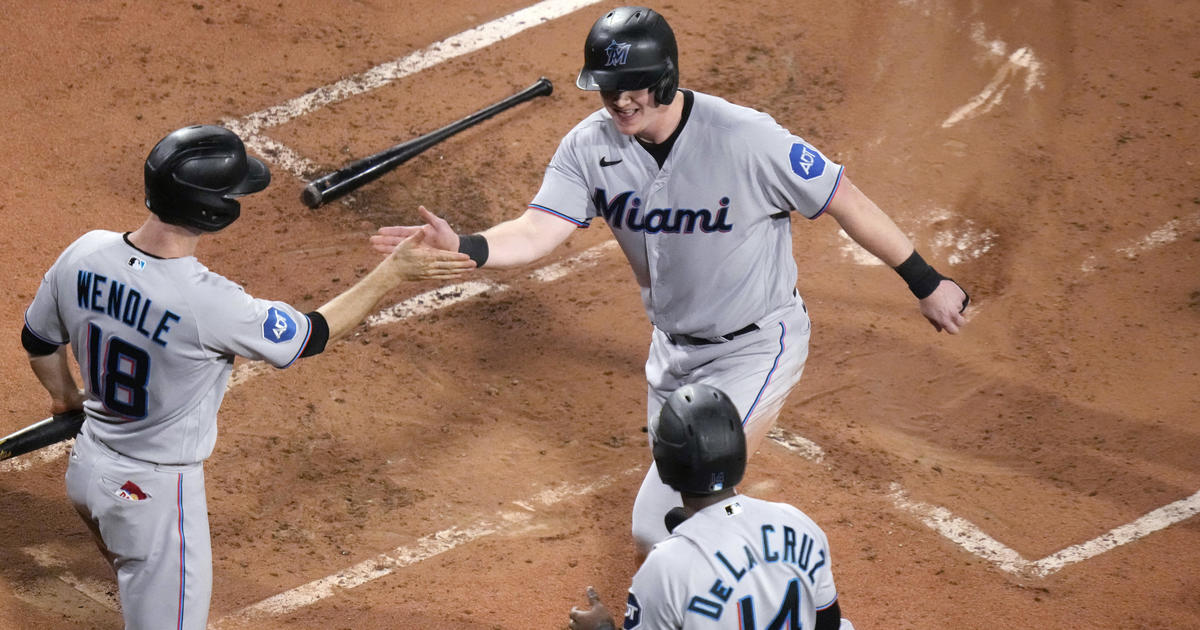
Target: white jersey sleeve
(42,318)
(793,174)
(237,323)
(656,597)
(566,190)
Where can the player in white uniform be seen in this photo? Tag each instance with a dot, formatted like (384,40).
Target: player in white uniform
(699,193)
(155,334)
(736,562)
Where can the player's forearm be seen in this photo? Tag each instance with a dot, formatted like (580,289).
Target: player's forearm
(53,371)
(345,311)
(869,226)
(525,239)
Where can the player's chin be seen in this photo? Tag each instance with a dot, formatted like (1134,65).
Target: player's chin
(627,123)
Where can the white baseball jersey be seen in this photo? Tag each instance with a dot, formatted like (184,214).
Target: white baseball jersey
(741,564)
(155,340)
(708,234)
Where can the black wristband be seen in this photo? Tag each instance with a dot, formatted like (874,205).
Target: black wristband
(921,278)
(475,246)
(318,334)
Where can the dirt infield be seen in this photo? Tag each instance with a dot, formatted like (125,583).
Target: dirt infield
(473,463)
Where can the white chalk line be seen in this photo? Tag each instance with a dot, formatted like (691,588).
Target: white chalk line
(504,522)
(434,300)
(968,536)
(993,94)
(962,244)
(798,444)
(590,256)
(1166,234)
(99,591)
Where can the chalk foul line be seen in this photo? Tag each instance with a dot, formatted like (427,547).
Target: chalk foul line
(504,522)
(968,536)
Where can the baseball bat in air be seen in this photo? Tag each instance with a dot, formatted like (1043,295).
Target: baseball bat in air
(360,172)
(52,430)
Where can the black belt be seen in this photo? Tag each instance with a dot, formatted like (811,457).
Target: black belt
(702,341)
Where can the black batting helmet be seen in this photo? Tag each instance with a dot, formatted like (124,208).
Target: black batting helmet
(195,175)
(698,441)
(631,48)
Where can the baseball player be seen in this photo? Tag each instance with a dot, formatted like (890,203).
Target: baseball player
(699,194)
(731,561)
(155,334)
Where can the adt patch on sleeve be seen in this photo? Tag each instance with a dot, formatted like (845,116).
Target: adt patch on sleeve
(633,612)
(279,327)
(806,161)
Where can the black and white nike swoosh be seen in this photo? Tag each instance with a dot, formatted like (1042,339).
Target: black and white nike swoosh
(604,162)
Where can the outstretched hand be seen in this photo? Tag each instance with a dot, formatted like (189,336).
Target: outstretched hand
(410,259)
(596,617)
(438,234)
(944,308)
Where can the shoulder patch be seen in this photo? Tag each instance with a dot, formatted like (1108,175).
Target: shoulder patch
(279,327)
(633,612)
(806,161)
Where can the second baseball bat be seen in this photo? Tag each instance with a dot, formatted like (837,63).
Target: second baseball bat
(354,175)
(41,434)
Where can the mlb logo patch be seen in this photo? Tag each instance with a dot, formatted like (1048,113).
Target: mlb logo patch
(137,264)
(806,161)
(279,327)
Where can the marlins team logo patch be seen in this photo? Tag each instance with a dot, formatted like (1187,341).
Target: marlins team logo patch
(131,492)
(279,326)
(806,162)
(618,53)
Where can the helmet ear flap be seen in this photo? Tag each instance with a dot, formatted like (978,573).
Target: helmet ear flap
(668,85)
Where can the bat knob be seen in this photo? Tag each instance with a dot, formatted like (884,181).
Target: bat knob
(311,196)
